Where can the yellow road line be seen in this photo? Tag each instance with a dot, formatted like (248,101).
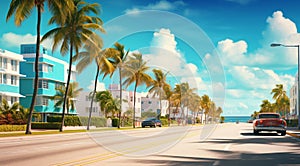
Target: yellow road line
(109,155)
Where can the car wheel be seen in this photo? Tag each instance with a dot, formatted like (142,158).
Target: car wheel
(143,126)
(283,133)
(255,132)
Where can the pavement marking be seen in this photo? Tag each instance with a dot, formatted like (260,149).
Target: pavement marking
(105,156)
(227,147)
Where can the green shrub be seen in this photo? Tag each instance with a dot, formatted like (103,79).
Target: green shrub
(164,121)
(292,123)
(4,128)
(95,121)
(45,125)
(115,122)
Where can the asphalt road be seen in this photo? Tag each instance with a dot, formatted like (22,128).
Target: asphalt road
(222,144)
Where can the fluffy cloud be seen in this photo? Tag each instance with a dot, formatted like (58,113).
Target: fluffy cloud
(14,40)
(160,5)
(100,86)
(279,30)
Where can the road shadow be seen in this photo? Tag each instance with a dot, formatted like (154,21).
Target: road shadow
(244,159)
(260,134)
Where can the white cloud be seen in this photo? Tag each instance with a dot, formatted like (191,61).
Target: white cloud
(160,5)
(100,86)
(242,2)
(15,40)
(279,30)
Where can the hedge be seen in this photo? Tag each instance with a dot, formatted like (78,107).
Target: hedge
(115,122)
(71,120)
(4,128)
(292,123)
(45,125)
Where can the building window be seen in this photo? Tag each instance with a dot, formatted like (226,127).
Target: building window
(5,63)
(4,79)
(131,98)
(149,102)
(14,65)
(40,100)
(45,67)
(13,80)
(1,78)
(13,99)
(50,68)
(43,84)
(1,62)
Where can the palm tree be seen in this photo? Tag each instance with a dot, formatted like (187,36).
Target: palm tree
(157,86)
(280,97)
(195,104)
(72,33)
(119,62)
(21,10)
(73,92)
(168,92)
(7,111)
(108,104)
(266,106)
(135,72)
(206,102)
(93,52)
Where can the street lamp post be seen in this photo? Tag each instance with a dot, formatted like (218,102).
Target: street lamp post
(298,84)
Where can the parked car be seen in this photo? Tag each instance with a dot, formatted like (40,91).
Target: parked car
(269,122)
(151,122)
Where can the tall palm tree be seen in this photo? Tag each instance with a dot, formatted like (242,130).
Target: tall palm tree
(195,104)
(72,34)
(21,10)
(157,86)
(73,93)
(206,102)
(93,52)
(280,97)
(266,106)
(108,104)
(119,63)
(135,72)
(168,91)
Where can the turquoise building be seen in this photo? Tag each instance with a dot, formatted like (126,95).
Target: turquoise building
(53,73)
(10,76)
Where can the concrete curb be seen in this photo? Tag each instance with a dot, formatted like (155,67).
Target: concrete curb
(293,135)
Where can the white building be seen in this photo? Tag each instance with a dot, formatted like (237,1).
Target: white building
(153,104)
(10,76)
(293,99)
(83,105)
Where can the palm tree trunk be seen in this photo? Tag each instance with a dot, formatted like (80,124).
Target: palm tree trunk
(120,111)
(36,69)
(169,119)
(134,94)
(67,88)
(160,107)
(93,96)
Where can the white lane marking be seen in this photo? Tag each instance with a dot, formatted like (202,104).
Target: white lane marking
(227,147)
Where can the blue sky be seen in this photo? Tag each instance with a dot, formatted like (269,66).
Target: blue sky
(222,47)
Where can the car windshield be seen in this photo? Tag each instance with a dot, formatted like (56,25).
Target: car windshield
(268,116)
(150,119)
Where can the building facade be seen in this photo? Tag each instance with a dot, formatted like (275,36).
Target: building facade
(53,73)
(83,105)
(153,104)
(10,76)
(293,100)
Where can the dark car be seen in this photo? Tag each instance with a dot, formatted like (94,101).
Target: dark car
(269,122)
(151,122)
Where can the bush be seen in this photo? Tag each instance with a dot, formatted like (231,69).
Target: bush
(95,121)
(292,123)
(45,125)
(4,128)
(115,122)
(164,121)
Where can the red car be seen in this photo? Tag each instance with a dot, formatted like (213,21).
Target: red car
(269,122)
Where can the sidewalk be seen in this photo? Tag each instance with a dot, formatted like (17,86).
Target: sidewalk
(293,131)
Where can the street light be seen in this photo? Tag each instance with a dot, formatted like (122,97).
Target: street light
(298,92)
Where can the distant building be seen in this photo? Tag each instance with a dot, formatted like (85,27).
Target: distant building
(153,104)
(53,72)
(115,91)
(10,76)
(83,105)
(293,99)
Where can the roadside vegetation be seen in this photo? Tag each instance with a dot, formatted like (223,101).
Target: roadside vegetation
(76,34)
